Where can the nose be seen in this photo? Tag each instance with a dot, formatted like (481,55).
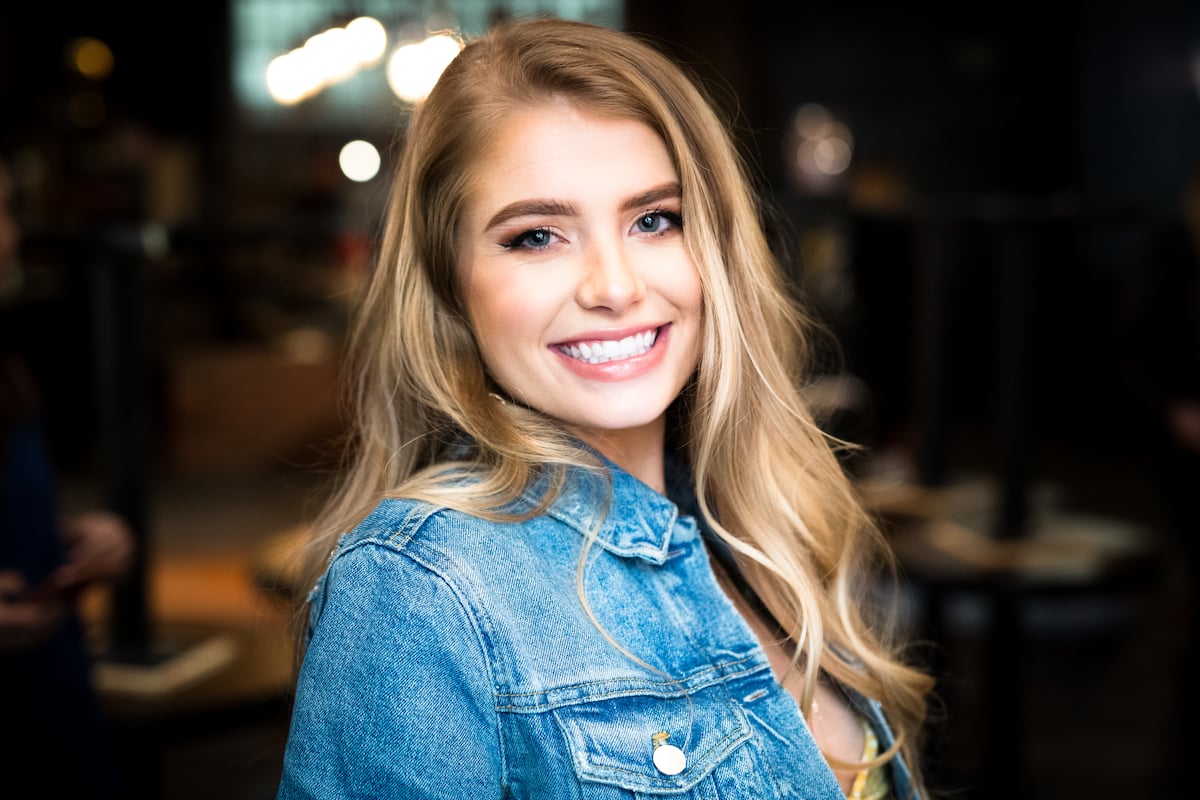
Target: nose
(611,279)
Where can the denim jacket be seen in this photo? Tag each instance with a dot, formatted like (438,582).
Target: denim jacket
(451,657)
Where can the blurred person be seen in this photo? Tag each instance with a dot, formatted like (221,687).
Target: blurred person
(591,542)
(56,735)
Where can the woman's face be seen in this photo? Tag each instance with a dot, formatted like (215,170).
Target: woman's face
(574,275)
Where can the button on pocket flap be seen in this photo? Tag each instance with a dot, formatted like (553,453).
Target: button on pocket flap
(614,741)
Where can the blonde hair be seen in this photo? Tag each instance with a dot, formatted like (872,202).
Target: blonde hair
(767,477)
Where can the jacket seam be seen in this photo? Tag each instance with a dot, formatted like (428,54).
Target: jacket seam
(630,692)
(397,541)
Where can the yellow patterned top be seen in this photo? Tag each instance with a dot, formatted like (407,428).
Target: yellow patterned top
(870,784)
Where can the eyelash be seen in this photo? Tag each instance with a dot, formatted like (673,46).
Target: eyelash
(670,216)
(520,241)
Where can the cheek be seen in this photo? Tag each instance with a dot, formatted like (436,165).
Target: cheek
(503,319)
(686,288)
(688,297)
(493,308)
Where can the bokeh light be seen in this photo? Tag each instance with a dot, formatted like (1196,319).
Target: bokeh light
(325,58)
(359,160)
(331,54)
(288,78)
(369,39)
(413,69)
(819,147)
(91,58)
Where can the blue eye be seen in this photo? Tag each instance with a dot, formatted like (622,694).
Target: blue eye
(538,238)
(535,239)
(658,222)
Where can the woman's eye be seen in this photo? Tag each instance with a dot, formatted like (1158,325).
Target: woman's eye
(535,239)
(657,222)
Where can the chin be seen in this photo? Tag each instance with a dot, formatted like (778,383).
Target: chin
(613,420)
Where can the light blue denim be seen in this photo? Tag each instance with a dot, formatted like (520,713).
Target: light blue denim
(451,657)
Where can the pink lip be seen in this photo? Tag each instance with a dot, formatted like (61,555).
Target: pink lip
(607,335)
(625,369)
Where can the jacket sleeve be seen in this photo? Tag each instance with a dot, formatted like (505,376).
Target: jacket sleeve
(394,694)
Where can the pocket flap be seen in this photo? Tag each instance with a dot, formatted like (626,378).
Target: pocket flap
(612,741)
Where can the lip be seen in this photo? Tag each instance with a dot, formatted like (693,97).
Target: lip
(610,335)
(622,370)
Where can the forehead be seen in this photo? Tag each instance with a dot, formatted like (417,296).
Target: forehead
(556,147)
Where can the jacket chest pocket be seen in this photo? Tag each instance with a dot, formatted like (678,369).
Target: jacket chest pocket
(613,742)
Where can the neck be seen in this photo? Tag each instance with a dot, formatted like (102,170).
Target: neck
(638,451)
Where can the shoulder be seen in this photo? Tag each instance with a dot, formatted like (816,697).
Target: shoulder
(396,571)
(396,523)
(431,533)
(405,541)
(401,535)
(399,642)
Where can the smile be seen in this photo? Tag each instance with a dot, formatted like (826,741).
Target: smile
(603,351)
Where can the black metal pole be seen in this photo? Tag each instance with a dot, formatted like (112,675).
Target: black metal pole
(936,257)
(120,342)
(1015,255)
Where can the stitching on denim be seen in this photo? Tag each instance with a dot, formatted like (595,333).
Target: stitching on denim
(632,691)
(475,615)
(659,541)
(395,534)
(758,753)
(726,744)
(769,728)
(709,668)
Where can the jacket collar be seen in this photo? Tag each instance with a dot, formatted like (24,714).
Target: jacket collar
(634,521)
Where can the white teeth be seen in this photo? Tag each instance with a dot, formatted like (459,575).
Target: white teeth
(599,352)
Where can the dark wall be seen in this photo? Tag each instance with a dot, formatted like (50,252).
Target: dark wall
(955,98)
(170,66)
(1071,125)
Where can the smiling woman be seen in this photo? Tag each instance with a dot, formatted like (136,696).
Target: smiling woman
(576,281)
(590,542)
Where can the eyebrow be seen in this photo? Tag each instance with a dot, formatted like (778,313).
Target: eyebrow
(667,191)
(557,208)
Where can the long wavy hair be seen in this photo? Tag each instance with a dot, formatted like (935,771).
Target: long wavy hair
(768,478)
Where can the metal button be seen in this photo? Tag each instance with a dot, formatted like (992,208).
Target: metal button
(669,759)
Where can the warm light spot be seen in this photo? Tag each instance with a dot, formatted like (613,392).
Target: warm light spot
(819,147)
(832,156)
(833,151)
(331,54)
(359,160)
(812,121)
(91,58)
(413,69)
(288,80)
(369,39)
(326,58)
(806,153)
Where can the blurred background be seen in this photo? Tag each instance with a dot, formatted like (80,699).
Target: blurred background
(987,208)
